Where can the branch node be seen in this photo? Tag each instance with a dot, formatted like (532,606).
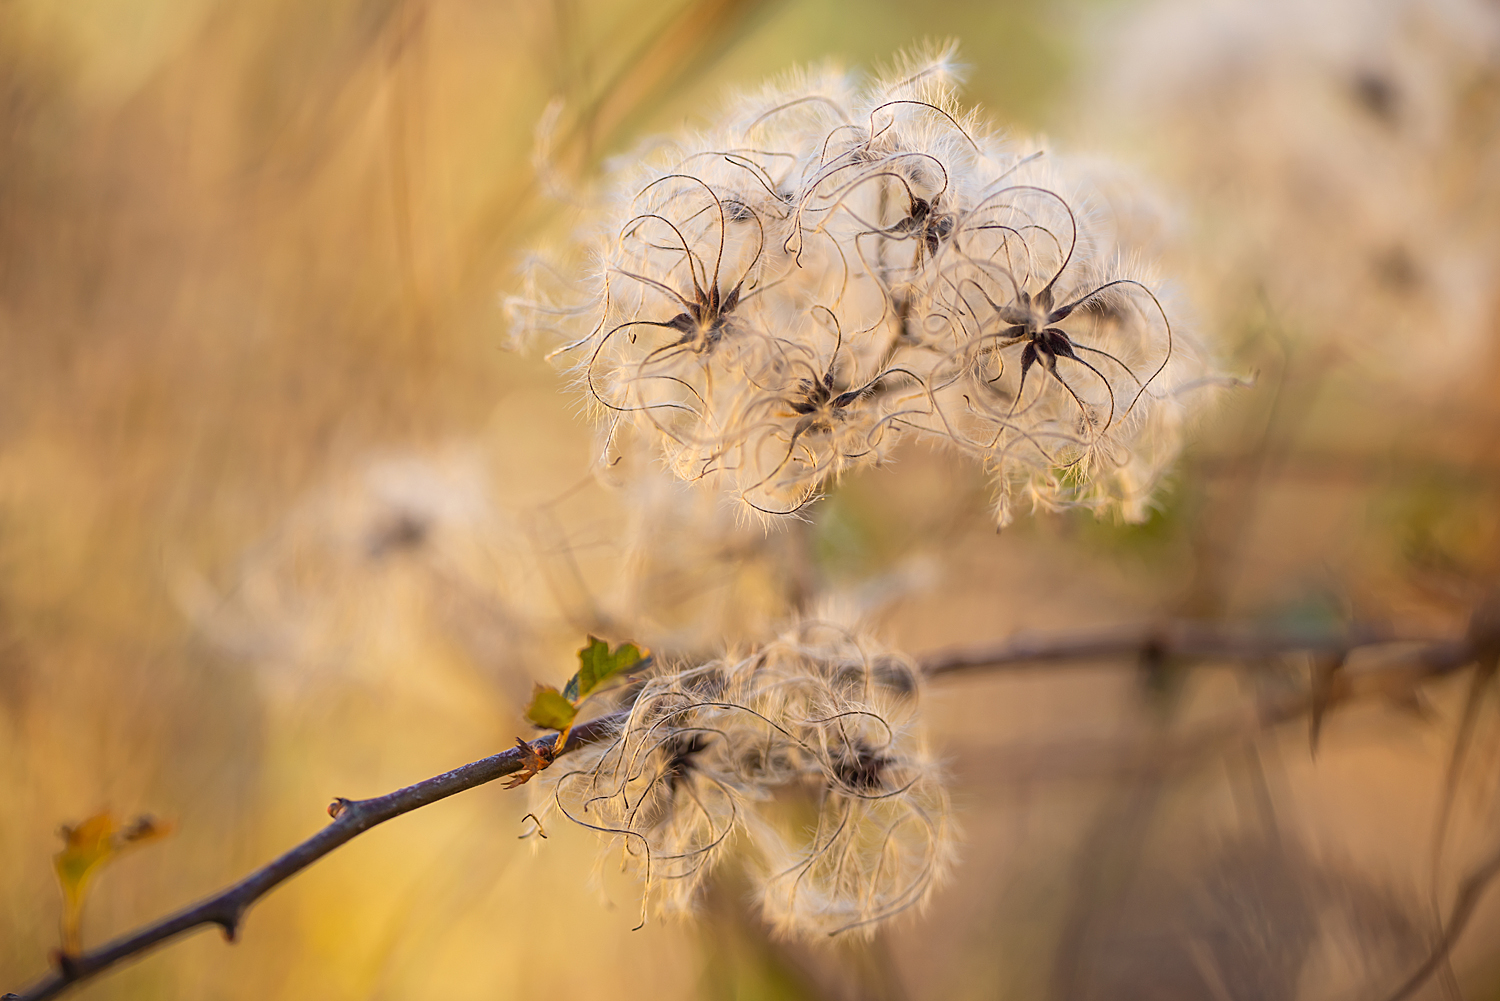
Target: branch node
(339,807)
(66,963)
(535,756)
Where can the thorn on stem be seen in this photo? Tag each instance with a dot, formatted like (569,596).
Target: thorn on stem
(230,926)
(1328,689)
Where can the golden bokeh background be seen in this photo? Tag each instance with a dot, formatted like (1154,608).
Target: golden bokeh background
(282,519)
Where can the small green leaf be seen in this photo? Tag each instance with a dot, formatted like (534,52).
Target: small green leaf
(550,709)
(596,664)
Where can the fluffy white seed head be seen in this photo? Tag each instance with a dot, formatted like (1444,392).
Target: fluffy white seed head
(820,722)
(870,833)
(832,267)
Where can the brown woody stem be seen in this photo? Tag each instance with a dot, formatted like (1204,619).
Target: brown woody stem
(1178,640)
(351,818)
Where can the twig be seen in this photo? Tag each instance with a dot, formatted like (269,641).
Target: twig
(1186,640)
(1458,919)
(351,819)
(1173,752)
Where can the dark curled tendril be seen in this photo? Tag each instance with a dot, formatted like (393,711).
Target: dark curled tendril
(705,316)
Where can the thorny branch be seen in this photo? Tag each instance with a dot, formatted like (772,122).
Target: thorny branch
(351,818)
(1157,641)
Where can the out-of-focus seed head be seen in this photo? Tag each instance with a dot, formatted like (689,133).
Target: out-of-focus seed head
(1342,161)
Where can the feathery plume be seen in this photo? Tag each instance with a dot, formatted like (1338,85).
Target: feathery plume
(821,717)
(780,297)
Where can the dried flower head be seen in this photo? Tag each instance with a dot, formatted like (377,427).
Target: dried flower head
(831,267)
(1058,348)
(671,786)
(820,718)
(881,835)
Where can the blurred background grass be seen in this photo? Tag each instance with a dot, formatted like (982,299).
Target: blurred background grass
(280,520)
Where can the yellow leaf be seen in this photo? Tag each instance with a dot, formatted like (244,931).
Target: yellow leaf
(87,848)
